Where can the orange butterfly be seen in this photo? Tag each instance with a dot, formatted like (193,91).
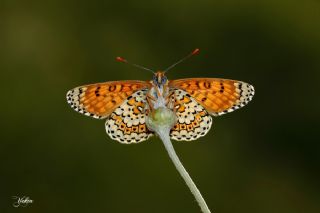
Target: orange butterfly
(125,104)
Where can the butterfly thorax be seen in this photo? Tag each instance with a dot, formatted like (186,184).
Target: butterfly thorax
(159,92)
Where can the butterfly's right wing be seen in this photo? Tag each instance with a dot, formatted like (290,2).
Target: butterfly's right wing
(218,96)
(101,99)
(193,121)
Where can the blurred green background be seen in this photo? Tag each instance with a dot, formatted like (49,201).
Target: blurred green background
(260,159)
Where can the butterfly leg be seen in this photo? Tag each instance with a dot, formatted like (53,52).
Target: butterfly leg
(173,107)
(149,100)
(168,100)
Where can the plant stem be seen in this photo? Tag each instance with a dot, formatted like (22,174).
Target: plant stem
(163,133)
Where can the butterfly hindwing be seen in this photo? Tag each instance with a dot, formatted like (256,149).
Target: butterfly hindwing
(127,123)
(193,121)
(101,99)
(217,96)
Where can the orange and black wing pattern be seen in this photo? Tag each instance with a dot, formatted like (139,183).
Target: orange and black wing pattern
(101,99)
(217,96)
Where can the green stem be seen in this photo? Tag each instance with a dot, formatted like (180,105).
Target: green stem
(163,133)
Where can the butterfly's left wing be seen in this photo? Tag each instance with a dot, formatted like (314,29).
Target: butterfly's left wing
(101,99)
(217,96)
(127,123)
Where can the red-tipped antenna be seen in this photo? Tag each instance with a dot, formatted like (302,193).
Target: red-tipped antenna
(120,59)
(194,52)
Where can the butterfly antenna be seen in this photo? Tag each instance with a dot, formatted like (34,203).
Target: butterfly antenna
(120,59)
(194,52)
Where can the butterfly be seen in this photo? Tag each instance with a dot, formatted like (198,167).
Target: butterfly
(126,104)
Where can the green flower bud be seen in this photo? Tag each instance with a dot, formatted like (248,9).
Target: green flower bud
(161,118)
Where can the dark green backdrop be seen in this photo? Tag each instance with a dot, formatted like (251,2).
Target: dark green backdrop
(263,158)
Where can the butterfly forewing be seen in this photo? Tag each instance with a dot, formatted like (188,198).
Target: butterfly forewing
(101,99)
(193,121)
(217,96)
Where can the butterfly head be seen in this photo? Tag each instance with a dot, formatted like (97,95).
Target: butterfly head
(159,79)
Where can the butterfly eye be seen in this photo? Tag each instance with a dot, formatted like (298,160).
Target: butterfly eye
(164,79)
